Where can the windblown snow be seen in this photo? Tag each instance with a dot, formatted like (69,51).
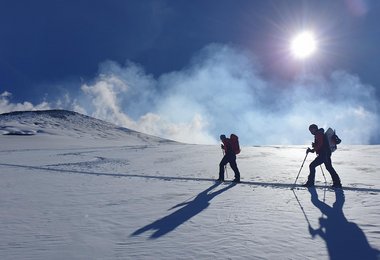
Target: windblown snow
(74,187)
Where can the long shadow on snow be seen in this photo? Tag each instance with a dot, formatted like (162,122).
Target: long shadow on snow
(169,178)
(190,209)
(344,239)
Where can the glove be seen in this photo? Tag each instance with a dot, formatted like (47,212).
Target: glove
(222,146)
(309,150)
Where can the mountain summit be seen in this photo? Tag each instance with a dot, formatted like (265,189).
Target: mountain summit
(66,123)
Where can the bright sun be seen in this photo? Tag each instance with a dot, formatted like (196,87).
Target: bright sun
(303,45)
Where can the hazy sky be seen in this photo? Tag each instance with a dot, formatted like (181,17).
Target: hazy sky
(190,70)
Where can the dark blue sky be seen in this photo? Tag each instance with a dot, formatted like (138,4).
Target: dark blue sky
(188,70)
(45,42)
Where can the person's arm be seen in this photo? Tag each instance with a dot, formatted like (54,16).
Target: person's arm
(223,146)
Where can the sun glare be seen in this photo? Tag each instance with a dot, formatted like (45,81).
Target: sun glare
(303,45)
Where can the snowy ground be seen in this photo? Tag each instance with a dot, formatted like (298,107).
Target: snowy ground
(77,188)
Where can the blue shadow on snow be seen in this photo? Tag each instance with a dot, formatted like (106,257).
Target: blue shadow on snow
(190,209)
(344,239)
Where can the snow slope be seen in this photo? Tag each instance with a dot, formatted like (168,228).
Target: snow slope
(73,187)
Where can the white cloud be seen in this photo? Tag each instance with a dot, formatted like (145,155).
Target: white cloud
(6,106)
(222,91)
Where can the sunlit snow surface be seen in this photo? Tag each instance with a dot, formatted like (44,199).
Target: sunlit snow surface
(73,187)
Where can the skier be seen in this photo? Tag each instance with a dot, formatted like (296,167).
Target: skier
(229,157)
(321,147)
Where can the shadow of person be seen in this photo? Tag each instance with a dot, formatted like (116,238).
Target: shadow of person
(344,239)
(189,209)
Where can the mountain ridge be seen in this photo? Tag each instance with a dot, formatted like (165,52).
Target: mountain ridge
(66,123)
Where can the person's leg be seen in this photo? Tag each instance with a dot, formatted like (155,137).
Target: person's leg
(334,176)
(311,178)
(222,163)
(235,169)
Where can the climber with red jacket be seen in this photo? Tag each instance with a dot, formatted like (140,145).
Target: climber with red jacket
(229,157)
(322,149)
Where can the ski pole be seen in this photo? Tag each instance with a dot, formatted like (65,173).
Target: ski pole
(294,184)
(323,175)
(225,166)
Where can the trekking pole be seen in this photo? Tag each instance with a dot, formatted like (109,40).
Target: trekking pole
(323,175)
(225,166)
(294,184)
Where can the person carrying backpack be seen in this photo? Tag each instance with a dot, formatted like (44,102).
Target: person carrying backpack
(229,157)
(322,148)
